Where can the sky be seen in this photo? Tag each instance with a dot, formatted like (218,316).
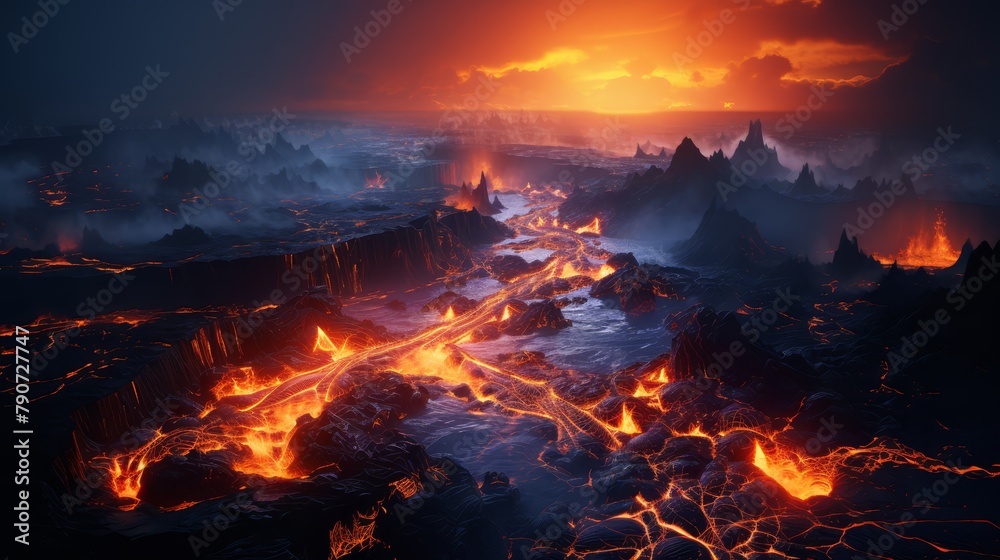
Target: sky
(639,56)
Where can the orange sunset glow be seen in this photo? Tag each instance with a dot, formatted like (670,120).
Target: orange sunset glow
(592,56)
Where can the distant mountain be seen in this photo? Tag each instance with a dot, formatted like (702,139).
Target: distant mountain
(184,176)
(651,148)
(653,199)
(640,153)
(806,185)
(753,153)
(185,236)
(849,261)
(724,238)
(93,243)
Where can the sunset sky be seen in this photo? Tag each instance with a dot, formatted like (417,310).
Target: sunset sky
(595,55)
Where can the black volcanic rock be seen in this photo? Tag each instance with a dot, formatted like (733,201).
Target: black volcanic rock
(329,440)
(18,254)
(477,198)
(469,226)
(544,315)
(726,239)
(942,357)
(185,236)
(963,259)
(898,288)
(771,382)
(635,287)
(688,161)
(425,249)
(850,261)
(196,476)
(619,260)
(649,200)
(449,300)
(983,259)
(753,153)
(805,184)
(798,273)
(508,267)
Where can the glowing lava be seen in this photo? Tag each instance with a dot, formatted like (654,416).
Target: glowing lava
(593,227)
(932,251)
(641,391)
(377,182)
(660,376)
(792,474)
(324,344)
(628,424)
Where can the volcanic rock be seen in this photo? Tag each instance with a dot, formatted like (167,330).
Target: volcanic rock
(347,422)
(185,236)
(805,184)
(646,200)
(477,198)
(619,532)
(849,261)
(18,254)
(508,267)
(193,477)
(635,287)
(726,239)
(544,315)
(753,153)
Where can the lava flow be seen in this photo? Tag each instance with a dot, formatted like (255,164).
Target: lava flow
(931,250)
(790,473)
(262,420)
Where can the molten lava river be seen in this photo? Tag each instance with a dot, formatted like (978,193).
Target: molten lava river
(514,409)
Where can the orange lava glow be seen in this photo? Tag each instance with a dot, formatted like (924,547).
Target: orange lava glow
(436,361)
(926,249)
(628,424)
(791,472)
(324,344)
(605,270)
(356,536)
(641,392)
(593,227)
(376,182)
(254,408)
(660,376)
